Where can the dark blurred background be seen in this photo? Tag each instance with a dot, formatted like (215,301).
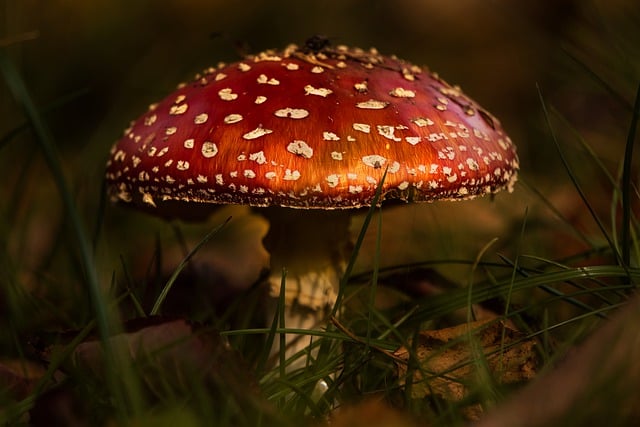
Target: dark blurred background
(92,66)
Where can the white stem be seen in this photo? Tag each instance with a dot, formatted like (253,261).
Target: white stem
(312,246)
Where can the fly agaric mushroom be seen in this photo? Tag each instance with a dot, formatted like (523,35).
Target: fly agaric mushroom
(313,129)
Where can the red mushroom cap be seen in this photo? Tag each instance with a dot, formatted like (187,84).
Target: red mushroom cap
(312,130)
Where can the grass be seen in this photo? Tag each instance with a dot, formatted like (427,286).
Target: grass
(62,315)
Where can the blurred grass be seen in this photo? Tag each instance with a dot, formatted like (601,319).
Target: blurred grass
(554,275)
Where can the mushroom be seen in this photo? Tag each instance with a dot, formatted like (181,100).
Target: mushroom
(306,135)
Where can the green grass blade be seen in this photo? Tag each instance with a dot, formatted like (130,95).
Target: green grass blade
(356,247)
(440,305)
(601,81)
(167,287)
(45,140)
(374,277)
(574,179)
(626,183)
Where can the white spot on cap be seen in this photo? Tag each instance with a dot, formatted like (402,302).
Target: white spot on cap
(355,189)
(361,87)
(422,122)
(372,104)
(321,91)
(260,99)
(227,94)
(119,156)
(233,118)
(189,143)
(472,164)
(336,155)
(263,79)
(202,179)
(178,109)
(433,137)
(258,157)
(413,140)
(270,175)
(292,113)
(402,93)
(201,118)
(162,152)
(395,167)
(300,148)
(403,185)
(148,199)
(387,131)
(290,175)
(333,180)
(148,121)
(220,76)
(182,165)
(374,160)
(330,136)
(248,173)
(267,56)
(244,67)
(257,133)
(292,66)
(317,69)
(209,149)
(170,130)
(362,127)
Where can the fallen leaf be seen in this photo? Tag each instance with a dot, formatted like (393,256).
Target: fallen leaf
(371,413)
(451,360)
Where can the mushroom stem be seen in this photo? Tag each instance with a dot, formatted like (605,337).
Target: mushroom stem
(312,248)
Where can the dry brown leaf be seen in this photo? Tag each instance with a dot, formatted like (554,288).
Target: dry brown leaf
(449,362)
(371,413)
(595,384)
(166,351)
